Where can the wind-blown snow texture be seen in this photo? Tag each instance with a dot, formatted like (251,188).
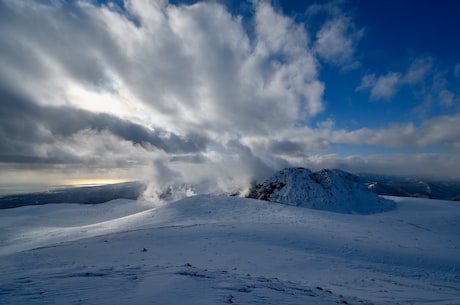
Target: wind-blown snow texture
(330,190)
(220,250)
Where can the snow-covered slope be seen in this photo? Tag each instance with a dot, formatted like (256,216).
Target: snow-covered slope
(330,190)
(221,250)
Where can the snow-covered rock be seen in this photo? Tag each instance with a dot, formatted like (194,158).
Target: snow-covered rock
(331,190)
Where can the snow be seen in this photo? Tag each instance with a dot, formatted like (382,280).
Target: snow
(220,250)
(330,190)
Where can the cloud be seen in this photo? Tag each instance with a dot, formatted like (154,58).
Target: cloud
(446,98)
(433,165)
(31,133)
(385,87)
(336,40)
(457,69)
(381,88)
(166,82)
(435,93)
(418,70)
(183,93)
(188,66)
(427,82)
(440,130)
(437,131)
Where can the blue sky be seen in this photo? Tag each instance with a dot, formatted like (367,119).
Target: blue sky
(187,91)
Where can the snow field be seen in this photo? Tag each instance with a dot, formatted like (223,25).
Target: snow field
(221,250)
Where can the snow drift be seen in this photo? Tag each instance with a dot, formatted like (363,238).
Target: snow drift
(331,190)
(220,250)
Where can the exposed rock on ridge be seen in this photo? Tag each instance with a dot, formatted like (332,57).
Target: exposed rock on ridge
(331,190)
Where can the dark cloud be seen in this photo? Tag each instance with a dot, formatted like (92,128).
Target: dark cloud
(287,147)
(26,126)
(40,39)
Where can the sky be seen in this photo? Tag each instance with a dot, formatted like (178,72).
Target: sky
(226,91)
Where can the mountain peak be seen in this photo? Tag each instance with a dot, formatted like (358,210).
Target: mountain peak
(328,189)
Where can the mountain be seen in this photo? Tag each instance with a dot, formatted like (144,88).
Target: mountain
(337,189)
(330,190)
(83,195)
(420,187)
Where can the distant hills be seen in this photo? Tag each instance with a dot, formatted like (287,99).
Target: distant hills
(412,187)
(83,195)
(271,189)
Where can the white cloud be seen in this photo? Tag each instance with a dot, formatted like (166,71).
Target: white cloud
(432,165)
(381,88)
(336,40)
(189,67)
(185,70)
(427,82)
(396,136)
(418,70)
(189,86)
(385,86)
(437,131)
(440,130)
(446,98)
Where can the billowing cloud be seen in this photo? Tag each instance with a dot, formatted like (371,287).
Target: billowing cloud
(32,133)
(192,92)
(175,82)
(187,67)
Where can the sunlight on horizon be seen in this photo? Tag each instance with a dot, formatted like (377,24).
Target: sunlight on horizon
(92,181)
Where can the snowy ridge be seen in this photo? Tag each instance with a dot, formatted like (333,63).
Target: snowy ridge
(220,250)
(330,190)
